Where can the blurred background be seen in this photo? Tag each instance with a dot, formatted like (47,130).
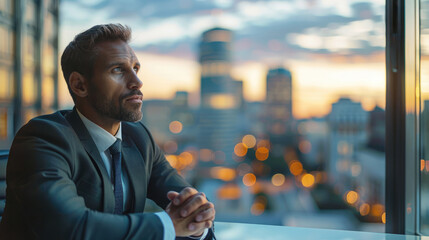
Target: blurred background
(274,109)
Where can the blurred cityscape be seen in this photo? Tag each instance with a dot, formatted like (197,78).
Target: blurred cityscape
(258,164)
(258,159)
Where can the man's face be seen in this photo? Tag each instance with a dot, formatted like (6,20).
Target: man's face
(114,90)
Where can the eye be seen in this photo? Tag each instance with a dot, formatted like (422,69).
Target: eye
(136,69)
(117,70)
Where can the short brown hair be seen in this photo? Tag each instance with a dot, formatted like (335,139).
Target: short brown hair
(79,56)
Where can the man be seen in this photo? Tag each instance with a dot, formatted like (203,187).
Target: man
(86,173)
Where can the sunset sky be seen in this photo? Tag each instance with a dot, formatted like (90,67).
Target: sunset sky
(333,48)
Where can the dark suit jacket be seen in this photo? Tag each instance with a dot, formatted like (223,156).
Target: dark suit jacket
(58,187)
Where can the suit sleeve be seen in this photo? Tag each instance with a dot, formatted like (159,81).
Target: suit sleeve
(40,185)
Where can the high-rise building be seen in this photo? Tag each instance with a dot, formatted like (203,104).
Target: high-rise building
(278,110)
(28,63)
(218,119)
(348,123)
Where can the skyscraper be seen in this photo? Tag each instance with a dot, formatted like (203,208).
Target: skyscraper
(219,101)
(278,102)
(28,63)
(348,123)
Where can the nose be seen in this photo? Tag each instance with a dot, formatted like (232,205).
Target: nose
(134,81)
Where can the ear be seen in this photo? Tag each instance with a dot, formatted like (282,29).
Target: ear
(78,84)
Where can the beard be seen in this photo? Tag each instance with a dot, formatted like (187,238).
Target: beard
(119,111)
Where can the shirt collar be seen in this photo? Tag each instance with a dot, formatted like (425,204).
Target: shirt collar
(102,138)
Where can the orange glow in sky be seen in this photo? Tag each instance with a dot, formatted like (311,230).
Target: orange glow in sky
(315,84)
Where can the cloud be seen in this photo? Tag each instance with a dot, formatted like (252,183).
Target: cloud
(269,29)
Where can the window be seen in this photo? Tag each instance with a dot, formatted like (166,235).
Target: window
(285,99)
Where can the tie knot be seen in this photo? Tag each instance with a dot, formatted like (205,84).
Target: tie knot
(116,147)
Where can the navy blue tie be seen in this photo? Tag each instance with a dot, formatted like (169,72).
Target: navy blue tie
(115,150)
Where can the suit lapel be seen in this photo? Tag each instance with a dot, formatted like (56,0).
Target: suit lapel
(134,164)
(90,147)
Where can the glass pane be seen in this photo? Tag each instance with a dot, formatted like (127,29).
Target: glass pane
(283,121)
(424,116)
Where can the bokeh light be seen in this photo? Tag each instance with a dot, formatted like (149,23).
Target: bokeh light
(278,179)
(364,209)
(352,197)
(257,208)
(186,158)
(377,210)
(307,180)
(249,141)
(262,153)
(222,173)
(229,191)
(249,179)
(240,150)
(295,168)
(175,127)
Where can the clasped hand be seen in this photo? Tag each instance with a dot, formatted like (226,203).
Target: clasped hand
(190,212)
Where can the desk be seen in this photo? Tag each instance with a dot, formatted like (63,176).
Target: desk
(241,231)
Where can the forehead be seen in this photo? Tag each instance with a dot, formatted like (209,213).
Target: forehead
(114,51)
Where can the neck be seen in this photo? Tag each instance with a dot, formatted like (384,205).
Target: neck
(107,123)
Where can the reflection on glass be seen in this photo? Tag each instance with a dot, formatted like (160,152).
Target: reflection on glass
(424,116)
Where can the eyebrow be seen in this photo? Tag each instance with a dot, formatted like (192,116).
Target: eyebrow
(119,64)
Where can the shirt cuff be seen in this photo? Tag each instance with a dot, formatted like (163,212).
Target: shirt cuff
(169,232)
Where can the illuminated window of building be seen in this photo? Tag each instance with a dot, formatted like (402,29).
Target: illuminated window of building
(222,101)
(47,92)
(4,83)
(4,39)
(48,59)
(28,88)
(3,123)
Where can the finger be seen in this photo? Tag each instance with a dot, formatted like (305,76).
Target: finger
(199,226)
(184,195)
(193,203)
(171,195)
(206,214)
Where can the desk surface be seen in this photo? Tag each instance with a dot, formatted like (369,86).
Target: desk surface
(239,231)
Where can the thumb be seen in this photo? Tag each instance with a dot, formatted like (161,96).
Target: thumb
(171,195)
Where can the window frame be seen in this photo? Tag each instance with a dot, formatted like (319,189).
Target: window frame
(402,117)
